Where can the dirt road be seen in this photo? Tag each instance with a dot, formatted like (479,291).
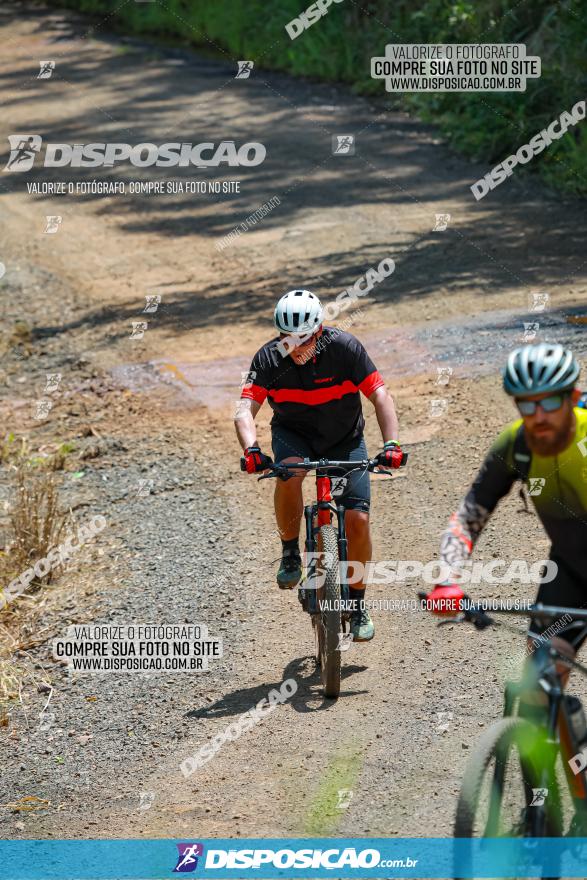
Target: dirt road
(198,543)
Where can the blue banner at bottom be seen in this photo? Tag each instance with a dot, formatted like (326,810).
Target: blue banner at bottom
(406,857)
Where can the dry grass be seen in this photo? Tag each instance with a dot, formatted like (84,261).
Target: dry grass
(13,672)
(18,670)
(35,524)
(10,448)
(36,521)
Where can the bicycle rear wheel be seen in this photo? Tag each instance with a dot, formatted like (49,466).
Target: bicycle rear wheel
(327,622)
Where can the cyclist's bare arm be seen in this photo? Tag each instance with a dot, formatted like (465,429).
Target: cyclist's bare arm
(386,414)
(244,422)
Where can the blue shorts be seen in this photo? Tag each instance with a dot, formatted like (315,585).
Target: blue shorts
(356,494)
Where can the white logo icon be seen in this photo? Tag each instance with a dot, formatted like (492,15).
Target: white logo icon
(438,407)
(43,409)
(241,408)
(345,795)
(530,330)
(343,144)
(46,720)
(244,69)
(538,301)
(47,68)
(338,485)
(444,719)
(442,221)
(23,150)
(53,223)
(536,485)
(153,303)
(138,329)
(539,795)
(315,579)
(248,378)
(443,375)
(344,641)
(52,384)
(146,799)
(145,487)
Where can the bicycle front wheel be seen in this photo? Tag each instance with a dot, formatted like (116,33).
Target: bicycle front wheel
(328,620)
(509,789)
(504,783)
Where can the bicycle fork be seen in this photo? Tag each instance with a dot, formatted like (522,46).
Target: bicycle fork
(310,598)
(537,819)
(343,564)
(535,816)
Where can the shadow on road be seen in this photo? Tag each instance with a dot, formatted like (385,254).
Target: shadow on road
(519,235)
(307,678)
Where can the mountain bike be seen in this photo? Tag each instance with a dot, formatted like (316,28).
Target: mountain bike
(324,588)
(516,774)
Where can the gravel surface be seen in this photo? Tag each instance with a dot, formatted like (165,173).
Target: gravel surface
(198,543)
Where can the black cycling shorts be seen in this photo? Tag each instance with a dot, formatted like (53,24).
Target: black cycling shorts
(356,493)
(567,591)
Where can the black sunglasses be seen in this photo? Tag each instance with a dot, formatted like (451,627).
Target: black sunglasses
(548,404)
(298,344)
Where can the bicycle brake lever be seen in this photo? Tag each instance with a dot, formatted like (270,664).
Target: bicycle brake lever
(384,473)
(286,475)
(479,623)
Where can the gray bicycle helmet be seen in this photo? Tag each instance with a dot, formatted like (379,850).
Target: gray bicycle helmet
(298,312)
(535,369)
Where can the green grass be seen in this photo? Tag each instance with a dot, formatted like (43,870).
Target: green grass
(338,47)
(341,772)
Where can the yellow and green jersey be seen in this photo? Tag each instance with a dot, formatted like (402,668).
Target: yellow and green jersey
(557,486)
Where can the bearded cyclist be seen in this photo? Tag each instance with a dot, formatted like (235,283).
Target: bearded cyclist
(547,447)
(312,375)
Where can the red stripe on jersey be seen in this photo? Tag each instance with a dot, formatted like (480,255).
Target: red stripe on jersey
(371,383)
(254,392)
(316,396)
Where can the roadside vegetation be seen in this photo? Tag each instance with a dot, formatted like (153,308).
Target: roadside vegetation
(338,47)
(33,521)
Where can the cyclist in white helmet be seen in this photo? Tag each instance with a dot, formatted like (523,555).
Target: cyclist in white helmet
(312,376)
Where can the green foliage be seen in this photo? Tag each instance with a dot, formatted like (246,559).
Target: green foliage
(17,452)
(485,126)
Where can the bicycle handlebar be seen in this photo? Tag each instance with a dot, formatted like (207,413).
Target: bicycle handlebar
(476,613)
(285,471)
(480,619)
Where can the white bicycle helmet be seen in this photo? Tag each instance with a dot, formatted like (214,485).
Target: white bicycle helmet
(536,369)
(298,312)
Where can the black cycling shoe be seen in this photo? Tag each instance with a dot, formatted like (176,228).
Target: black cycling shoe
(290,570)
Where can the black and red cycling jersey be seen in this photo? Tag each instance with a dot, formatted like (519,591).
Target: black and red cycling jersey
(320,399)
